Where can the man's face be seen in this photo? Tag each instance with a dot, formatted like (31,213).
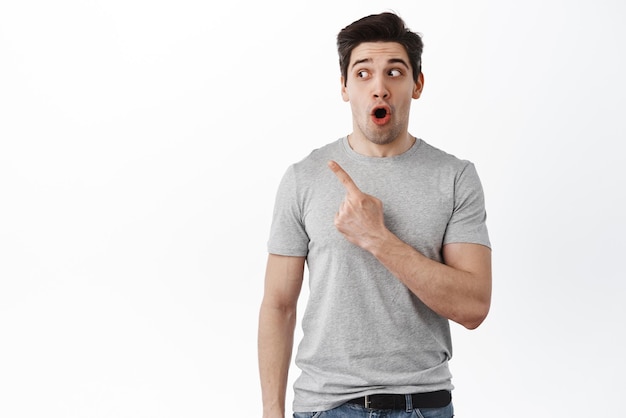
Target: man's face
(380,87)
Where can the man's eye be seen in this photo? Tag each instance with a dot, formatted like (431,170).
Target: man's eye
(395,73)
(362,74)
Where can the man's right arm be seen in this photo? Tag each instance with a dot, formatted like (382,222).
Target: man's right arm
(277,321)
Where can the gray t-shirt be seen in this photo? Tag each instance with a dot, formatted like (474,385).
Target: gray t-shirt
(364,332)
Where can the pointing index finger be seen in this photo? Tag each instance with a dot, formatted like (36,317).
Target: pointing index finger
(343,177)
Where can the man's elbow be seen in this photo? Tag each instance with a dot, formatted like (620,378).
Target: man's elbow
(273,307)
(475,318)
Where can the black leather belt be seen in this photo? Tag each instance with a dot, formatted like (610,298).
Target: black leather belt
(437,399)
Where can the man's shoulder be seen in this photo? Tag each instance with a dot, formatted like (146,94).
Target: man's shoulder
(318,157)
(440,158)
(322,152)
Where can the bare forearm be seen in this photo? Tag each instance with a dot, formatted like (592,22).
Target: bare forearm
(276,331)
(461,295)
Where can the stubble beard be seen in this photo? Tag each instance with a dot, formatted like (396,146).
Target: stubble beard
(383,135)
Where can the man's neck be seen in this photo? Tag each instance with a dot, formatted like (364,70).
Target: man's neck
(368,148)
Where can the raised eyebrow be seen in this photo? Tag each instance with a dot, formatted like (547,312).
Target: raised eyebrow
(361,61)
(398,61)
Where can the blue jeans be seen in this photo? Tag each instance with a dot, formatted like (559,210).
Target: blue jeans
(357,411)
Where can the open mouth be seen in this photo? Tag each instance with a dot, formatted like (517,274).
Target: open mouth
(381,115)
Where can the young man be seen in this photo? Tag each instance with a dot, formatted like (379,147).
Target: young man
(393,233)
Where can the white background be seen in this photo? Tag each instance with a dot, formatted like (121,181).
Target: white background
(141,144)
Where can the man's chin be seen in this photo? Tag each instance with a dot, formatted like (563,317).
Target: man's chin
(381,138)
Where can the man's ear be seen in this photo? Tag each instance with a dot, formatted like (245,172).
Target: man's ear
(419,86)
(344,90)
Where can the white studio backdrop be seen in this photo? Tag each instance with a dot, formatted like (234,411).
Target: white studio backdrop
(141,144)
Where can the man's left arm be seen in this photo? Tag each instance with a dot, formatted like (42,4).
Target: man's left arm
(458,289)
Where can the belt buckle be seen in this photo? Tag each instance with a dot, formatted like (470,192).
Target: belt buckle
(367,401)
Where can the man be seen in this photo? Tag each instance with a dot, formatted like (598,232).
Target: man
(393,233)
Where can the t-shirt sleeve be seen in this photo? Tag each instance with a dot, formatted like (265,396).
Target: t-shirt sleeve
(287,233)
(469,217)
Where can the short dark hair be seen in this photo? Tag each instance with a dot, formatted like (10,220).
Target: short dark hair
(383,27)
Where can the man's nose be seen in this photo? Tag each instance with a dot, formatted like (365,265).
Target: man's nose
(380,90)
